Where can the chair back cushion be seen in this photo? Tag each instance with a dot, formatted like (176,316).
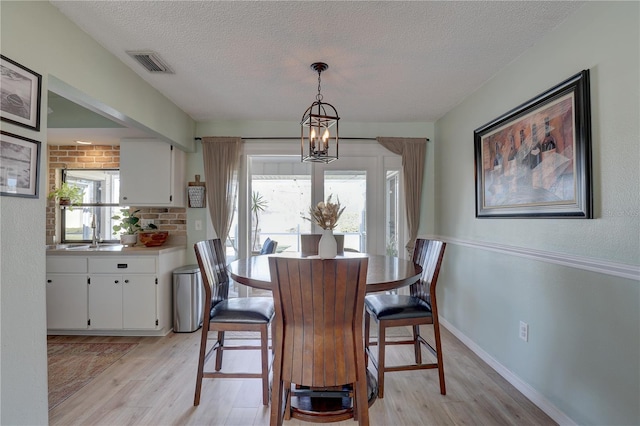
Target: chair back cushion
(213,268)
(267,246)
(319,308)
(429,255)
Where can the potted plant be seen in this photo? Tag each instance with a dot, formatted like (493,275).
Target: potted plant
(68,195)
(128,227)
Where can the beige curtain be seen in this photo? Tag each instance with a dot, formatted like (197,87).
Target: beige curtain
(413,151)
(221,157)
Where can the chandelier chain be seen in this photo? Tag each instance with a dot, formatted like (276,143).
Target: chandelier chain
(319,95)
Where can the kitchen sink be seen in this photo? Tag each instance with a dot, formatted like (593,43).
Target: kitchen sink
(85,247)
(69,246)
(106,247)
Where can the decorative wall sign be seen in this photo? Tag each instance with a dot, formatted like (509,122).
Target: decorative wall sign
(19,94)
(19,166)
(535,160)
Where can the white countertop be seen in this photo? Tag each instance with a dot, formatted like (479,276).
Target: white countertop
(115,250)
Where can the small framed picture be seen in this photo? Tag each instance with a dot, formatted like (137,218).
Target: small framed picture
(19,94)
(19,166)
(535,160)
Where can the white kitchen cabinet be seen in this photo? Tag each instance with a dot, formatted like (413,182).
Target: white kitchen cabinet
(126,293)
(125,302)
(140,302)
(105,302)
(66,293)
(151,174)
(67,301)
(123,293)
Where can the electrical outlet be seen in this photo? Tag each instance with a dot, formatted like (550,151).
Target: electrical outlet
(524,331)
(198,225)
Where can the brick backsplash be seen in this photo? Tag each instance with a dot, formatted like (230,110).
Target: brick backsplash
(60,157)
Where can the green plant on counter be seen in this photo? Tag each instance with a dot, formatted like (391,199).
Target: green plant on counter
(129,222)
(68,195)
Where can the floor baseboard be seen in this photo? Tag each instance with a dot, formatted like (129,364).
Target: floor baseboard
(532,394)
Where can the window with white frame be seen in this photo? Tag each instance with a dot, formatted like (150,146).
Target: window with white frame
(100,203)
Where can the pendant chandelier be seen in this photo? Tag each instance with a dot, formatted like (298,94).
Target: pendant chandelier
(315,134)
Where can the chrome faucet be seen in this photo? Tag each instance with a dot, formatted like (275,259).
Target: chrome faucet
(94,238)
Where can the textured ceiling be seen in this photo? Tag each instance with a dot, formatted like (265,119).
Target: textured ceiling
(388,61)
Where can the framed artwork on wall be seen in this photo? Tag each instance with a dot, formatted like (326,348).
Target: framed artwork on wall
(19,94)
(535,160)
(19,166)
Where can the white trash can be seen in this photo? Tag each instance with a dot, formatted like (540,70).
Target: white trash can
(187,299)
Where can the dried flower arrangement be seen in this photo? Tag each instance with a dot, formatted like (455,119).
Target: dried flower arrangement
(325,214)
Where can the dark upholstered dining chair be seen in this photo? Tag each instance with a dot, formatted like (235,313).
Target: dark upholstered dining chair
(319,341)
(269,246)
(223,314)
(420,307)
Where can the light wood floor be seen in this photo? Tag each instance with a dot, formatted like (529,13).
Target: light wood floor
(154,385)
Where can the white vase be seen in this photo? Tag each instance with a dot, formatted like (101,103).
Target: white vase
(128,239)
(327,247)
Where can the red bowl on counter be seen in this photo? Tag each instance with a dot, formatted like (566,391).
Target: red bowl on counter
(153,238)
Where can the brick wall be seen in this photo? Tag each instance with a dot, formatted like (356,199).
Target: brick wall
(60,157)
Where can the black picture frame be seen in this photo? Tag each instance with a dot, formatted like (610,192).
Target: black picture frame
(19,166)
(20,94)
(535,160)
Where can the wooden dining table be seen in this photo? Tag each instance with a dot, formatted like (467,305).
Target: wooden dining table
(384,273)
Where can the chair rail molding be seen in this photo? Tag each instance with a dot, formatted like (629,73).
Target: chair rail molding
(622,270)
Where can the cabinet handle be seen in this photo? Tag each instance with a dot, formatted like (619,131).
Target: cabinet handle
(116,281)
(126,281)
(49,281)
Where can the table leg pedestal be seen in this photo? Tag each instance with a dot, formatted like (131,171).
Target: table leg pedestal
(325,407)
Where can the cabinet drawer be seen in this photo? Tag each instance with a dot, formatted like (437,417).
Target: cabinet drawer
(122,265)
(66,264)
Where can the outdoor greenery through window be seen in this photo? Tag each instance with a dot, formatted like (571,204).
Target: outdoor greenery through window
(100,201)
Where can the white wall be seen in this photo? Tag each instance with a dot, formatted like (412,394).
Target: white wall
(583,353)
(37,36)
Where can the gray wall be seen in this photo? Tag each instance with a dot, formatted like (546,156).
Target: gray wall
(575,282)
(37,36)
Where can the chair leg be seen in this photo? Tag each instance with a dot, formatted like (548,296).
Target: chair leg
(360,397)
(277,388)
(361,403)
(275,418)
(287,399)
(203,350)
(367,334)
(436,334)
(416,344)
(220,350)
(273,339)
(381,349)
(264,354)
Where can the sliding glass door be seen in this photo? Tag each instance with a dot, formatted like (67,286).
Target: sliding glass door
(276,191)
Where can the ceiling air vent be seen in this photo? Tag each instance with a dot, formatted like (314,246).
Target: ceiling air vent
(151,61)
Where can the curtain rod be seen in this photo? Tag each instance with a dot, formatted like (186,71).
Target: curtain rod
(297,138)
(269,138)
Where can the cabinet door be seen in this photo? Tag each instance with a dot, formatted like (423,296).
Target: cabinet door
(105,302)
(145,173)
(66,301)
(139,302)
